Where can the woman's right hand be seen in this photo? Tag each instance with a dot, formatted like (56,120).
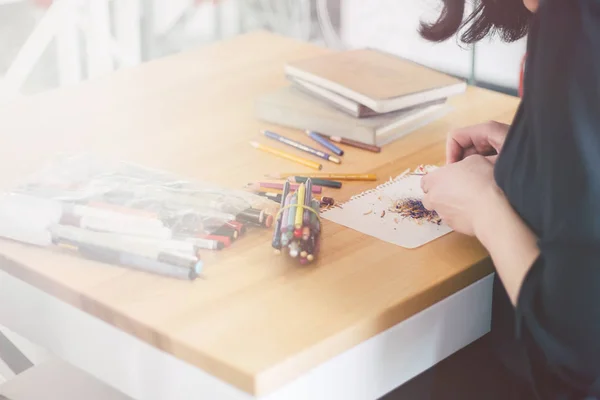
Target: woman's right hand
(484,139)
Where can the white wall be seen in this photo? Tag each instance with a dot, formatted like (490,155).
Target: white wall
(391,25)
(499,63)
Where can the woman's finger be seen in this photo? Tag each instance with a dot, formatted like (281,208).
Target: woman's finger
(454,148)
(485,139)
(427,202)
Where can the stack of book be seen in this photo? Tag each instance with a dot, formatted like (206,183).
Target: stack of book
(364,95)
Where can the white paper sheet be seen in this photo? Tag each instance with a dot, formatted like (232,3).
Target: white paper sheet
(363,213)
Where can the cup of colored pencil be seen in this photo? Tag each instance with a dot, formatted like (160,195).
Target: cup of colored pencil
(298,226)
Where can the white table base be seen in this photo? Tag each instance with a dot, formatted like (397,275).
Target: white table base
(365,372)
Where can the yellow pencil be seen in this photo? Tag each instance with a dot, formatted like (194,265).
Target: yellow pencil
(300,210)
(335,176)
(288,156)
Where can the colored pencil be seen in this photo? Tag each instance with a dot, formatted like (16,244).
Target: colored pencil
(316,181)
(287,156)
(286,212)
(325,143)
(299,210)
(259,186)
(307,202)
(300,235)
(314,220)
(301,146)
(288,234)
(294,249)
(276,242)
(334,176)
(354,143)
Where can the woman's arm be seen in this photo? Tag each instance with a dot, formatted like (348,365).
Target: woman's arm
(511,244)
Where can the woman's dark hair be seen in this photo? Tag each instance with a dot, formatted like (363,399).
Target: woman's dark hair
(507,18)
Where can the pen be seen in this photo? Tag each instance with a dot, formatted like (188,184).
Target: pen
(301,146)
(125,243)
(111,256)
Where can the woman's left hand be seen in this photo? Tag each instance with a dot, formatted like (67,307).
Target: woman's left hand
(461,192)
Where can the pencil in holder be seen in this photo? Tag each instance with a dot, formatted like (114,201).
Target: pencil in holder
(297,232)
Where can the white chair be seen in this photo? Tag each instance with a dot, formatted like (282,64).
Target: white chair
(12,357)
(57,380)
(77,24)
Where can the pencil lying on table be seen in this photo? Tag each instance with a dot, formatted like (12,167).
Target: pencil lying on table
(288,156)
(301,146)
(325,143)
(318,175)
(354,143)
(316,181)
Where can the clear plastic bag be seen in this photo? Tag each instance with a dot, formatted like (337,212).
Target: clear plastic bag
(131,212)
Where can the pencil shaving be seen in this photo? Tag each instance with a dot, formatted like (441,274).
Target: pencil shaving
(415,210)
(424,169)
(406,171)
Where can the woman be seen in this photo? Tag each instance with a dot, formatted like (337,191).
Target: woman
(536,208)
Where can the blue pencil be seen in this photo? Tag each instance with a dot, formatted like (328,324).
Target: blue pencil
(301,146)
(287,231)
(307,202)
(325,143)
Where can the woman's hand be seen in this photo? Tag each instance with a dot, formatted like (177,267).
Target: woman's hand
(483,139)
(462,193)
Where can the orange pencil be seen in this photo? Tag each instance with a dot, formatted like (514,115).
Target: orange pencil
(287,156)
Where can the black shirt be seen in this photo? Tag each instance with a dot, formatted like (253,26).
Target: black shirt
(549,169)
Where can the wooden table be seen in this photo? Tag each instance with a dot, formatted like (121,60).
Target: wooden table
(365,319)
